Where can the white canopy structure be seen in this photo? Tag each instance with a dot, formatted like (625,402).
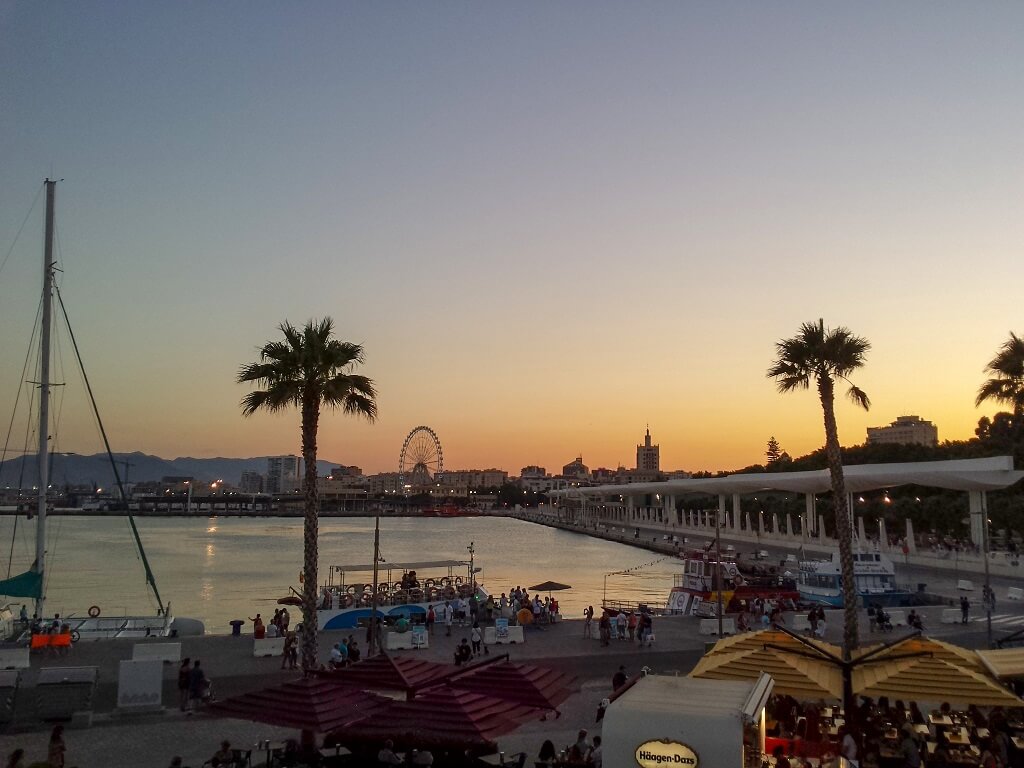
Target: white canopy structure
(961,475)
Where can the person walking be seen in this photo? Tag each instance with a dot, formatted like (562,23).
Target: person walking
(619,679)
(476,636)
(431,618)
(588,621)
(184,674)
(449,616)
(198,686)
(965,608)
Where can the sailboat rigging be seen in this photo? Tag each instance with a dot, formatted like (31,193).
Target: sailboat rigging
(31,583)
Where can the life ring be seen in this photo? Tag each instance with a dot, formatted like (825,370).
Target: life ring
(448,593)
(75,637)
(351,589)
(398,585)
(458,581)
(737,581)
(446,582)
(383,587)
(429,583)
(94,611)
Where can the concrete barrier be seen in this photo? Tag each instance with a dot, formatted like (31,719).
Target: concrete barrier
(14,658)
(951,616)
(710,626)
(515,635)
(799,623)
(268,646)
(403,641)
(1015,593)
(169,652)
(965,585)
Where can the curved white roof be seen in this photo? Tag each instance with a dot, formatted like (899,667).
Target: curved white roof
(961,475)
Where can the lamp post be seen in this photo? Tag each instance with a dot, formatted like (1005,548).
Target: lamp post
(984,553)
(718,565)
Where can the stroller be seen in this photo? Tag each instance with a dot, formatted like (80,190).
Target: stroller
(883,622)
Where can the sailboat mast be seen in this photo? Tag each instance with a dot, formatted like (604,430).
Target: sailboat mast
(43,458)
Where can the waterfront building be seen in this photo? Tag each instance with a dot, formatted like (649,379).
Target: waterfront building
(906,430)
(648,457)
(347,472)
(472,478)
(533,471)
(283,474)
(383,483)
(251,482)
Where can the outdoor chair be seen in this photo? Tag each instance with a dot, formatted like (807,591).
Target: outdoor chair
(242,758)
(516,761)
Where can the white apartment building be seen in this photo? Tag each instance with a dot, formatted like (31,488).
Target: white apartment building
(906,430)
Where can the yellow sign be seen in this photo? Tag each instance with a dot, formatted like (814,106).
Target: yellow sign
(663,753)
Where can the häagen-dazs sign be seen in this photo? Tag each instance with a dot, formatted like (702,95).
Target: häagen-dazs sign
(664,753)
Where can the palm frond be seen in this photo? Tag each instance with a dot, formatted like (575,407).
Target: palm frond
(859,396)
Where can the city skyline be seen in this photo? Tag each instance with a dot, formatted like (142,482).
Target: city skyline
(547,226)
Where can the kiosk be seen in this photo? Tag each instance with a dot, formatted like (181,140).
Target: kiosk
(685,721)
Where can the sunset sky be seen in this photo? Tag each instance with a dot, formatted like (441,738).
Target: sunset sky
(549,224)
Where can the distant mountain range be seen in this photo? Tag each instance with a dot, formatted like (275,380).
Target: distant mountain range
(76,469)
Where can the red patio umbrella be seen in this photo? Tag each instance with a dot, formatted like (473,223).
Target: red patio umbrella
(391,673)
(311,704)
(440,719)
(531,686)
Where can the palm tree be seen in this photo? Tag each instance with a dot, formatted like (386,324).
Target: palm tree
(310,370)
(826,355)
(1007,383)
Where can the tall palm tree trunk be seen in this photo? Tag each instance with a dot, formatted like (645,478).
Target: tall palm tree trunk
(844,526)
(844,532)
(310,532)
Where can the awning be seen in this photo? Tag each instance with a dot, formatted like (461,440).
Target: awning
(1004,663)
(953,654)
(391,673)
(793,674)
(928,678)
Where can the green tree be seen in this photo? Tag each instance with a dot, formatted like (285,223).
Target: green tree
(825,355)
(311,370)
(774,452)
(1007,383)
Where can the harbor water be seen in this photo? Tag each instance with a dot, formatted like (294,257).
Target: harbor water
(221,568)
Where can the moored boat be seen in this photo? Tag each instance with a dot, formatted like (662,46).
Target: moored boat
(696,590)
(873,572)
(403,589)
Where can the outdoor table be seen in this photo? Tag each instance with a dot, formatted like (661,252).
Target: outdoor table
(921,729)
(940,720)
(983,733)
(958,738)
(274,749)
(1018,742)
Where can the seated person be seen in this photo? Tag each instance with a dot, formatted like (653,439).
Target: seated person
(547,754)
(224,755)
(463,653)
(273,631)
(387,755)
(779,753)
(422,757)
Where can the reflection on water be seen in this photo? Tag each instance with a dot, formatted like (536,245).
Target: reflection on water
(254,561)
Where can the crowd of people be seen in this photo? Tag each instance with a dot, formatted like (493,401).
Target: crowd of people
(625,625)
(582,752)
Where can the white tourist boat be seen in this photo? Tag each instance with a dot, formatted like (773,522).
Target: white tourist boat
(91,623)
(403,589)
(874,574)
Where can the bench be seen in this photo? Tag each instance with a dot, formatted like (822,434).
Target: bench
(167,652)
(268,646)
(710,626)
(14,658)
(515,635)
(951,616)
(965,585)
(1015,593)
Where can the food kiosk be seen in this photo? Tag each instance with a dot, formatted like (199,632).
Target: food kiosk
(681,721)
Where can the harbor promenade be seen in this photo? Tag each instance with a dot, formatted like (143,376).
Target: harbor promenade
(114,741)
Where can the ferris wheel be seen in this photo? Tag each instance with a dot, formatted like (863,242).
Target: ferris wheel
(421,460)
